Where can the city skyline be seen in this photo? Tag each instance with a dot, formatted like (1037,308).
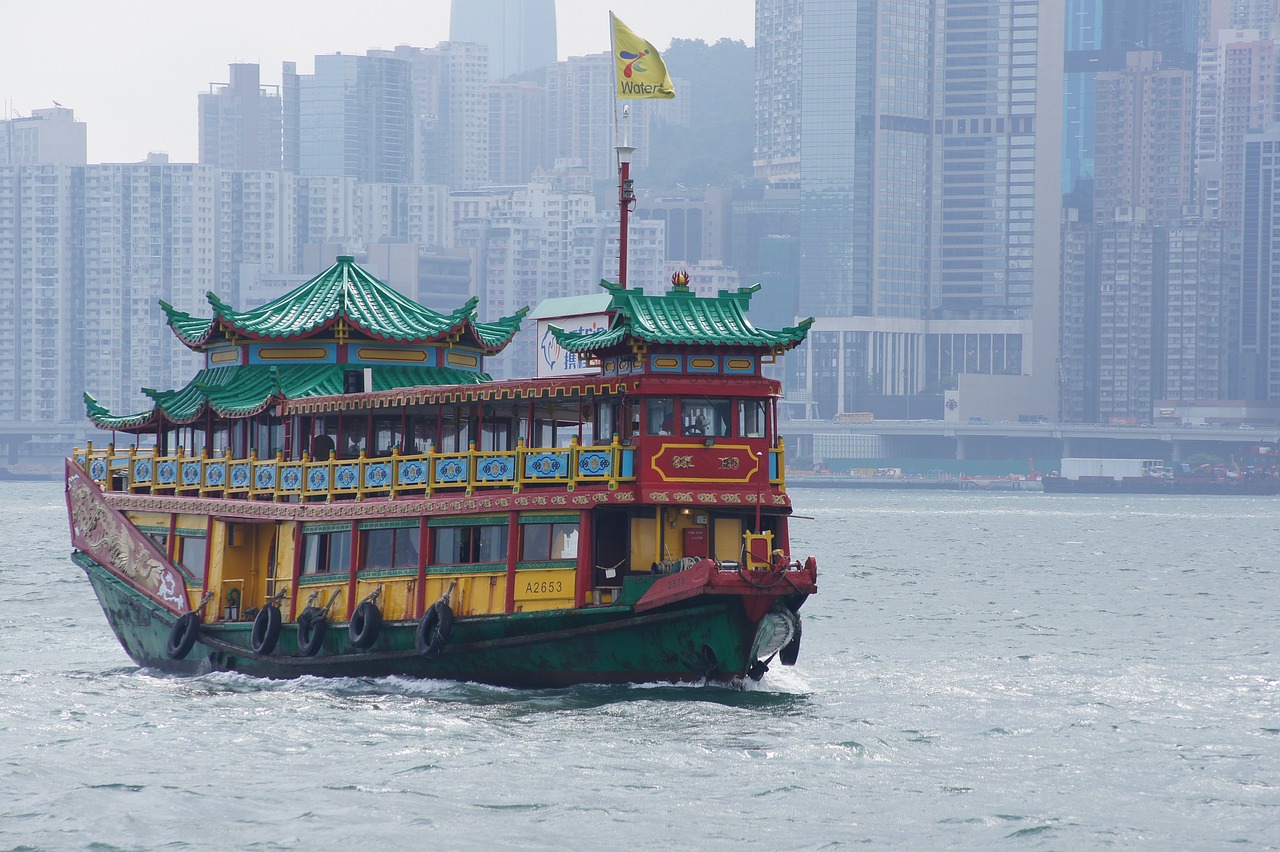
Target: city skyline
(132,76)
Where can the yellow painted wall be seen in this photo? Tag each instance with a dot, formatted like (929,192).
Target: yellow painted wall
(728,539)
(644,543)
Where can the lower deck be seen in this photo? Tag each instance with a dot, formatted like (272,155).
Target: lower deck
(492,555)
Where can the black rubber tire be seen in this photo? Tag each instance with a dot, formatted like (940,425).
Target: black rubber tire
(182,638)
(311,628)
(266,630)
(434,629)
(366,621)
(791,651)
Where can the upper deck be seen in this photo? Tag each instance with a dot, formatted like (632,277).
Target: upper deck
(643,440)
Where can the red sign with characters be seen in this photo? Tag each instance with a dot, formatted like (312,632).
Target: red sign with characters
(684,463)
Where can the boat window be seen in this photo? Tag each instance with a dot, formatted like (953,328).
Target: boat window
(219,439)
(604,427)
(326,552)
(268,436)
(495,435)
(393,548)
(660,416)
(421,433)
(470,545)
(386,435)
(355,437)
(751,418)
(324,439)
(702,416)
(191,554)
(548,541)
(455,432)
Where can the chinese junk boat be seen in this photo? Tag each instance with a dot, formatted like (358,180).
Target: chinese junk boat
(342,491)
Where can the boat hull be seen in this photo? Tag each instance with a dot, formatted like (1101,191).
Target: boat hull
(701,637)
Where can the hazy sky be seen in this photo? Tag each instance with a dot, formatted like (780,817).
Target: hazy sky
(131,69)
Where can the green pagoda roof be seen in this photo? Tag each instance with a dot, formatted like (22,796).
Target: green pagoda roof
(245,390)
(680,316)
(344,293)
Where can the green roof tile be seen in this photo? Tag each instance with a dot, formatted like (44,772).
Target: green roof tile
(241,391)
(343,292)
(680,316)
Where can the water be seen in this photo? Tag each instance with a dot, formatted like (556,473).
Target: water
(1021,671)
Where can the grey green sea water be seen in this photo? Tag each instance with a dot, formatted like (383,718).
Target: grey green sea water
(979,671)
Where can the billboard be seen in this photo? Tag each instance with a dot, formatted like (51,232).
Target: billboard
(553,360)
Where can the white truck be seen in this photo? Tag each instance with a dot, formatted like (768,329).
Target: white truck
(1111,468)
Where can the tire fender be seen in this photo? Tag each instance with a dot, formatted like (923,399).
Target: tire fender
(182,638)
(266,630)
(434,629)
(366,621)
(311,629)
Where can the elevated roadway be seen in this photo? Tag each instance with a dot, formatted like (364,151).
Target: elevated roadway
(1007,439)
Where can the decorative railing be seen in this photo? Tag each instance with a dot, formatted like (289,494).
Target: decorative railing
(149,472)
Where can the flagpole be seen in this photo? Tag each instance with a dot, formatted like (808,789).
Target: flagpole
(626,191)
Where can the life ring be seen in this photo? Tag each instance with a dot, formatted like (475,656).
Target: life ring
(311,627)
(434,629)
(366,621)
(266,630)
(182,638)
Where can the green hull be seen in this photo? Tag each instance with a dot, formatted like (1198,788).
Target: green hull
(703,637)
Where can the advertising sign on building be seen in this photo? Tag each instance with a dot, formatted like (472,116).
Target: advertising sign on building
(581,314)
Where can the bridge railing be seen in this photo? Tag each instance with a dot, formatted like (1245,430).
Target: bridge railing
(145,471)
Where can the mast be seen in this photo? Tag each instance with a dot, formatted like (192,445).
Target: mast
(626,201)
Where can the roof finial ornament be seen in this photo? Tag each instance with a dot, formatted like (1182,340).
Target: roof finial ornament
(680,281)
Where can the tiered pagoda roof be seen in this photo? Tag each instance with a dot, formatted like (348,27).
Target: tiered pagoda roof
(679,317)
(341,300)
(342,304)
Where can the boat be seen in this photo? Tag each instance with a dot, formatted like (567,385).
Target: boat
(1150,476)
(343,491)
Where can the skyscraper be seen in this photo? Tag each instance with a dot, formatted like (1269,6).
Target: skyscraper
(1260,281)
(520,34)
(1144,139)
(1098,35)
(450,111)
(1236,95)
(582,116)
(47,137)
(927,136)
(351,118)
(240,123)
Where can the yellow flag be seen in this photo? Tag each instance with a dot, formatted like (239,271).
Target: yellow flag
(640,71)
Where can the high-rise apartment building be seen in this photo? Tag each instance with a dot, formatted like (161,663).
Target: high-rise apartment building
(46,137)
(1236,94)
(1259,369)
(1202,272)
(41,307)
(150,232)
(778,81)
(1130,303)
(1099,33)
(520,34)
(928,136)
(517,131)
(1144,139)
(241,123)
(351,118)
(547,240)
(450,112)
(582,116)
